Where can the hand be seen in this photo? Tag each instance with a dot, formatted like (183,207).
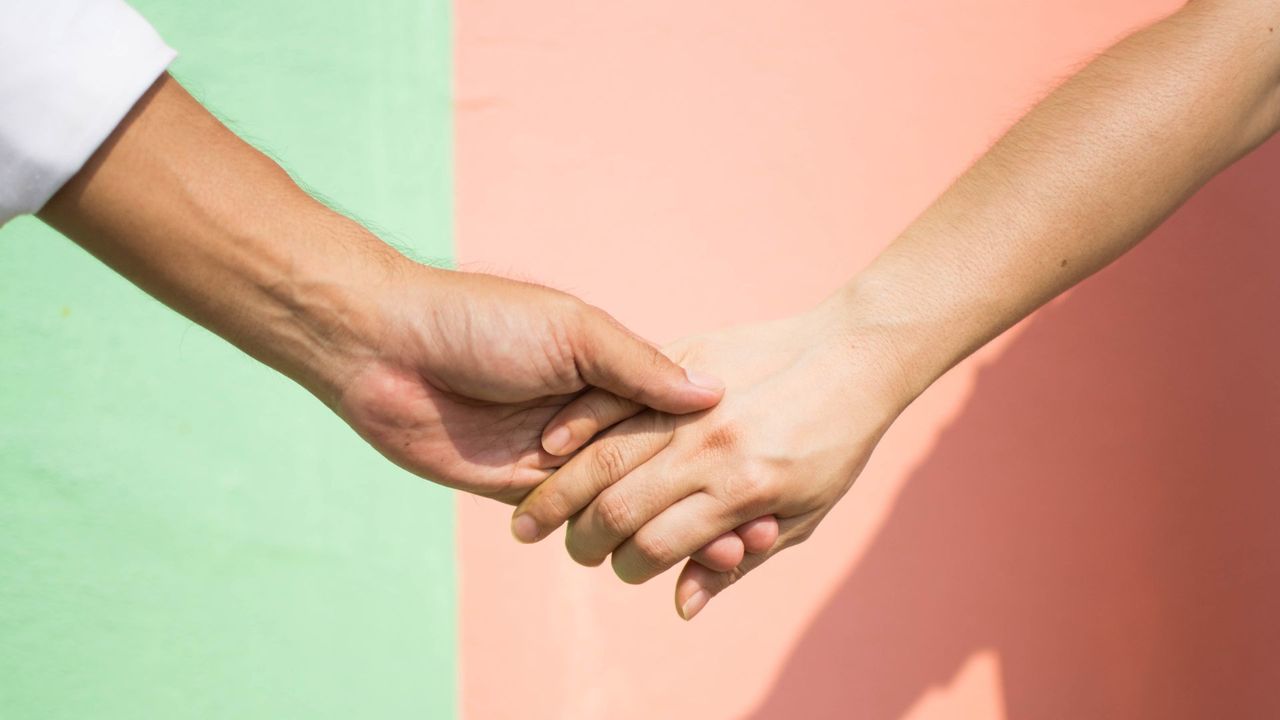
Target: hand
(805,405)
(465,370)
(450,375)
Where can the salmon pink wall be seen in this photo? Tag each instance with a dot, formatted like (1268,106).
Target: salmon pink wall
(1077,522)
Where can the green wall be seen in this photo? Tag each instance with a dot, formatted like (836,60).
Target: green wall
(183,533)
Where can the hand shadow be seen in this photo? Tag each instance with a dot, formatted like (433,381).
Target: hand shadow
(1103,512)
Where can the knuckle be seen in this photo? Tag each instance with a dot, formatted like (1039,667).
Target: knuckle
(557,368)
(754,489)
(615,514)
(653,551)
(550,507)
(592,407)
(569,309)
(610,462)
(595,322)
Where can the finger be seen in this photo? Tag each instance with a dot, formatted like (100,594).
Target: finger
(674,535)
(724,553)
(697,584)
(623,508)
(580,420)
(757,535)
(609,356)
(601,464)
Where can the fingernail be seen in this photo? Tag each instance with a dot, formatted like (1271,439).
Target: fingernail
(703,380)
(694,604)
(524,528)
(557,441)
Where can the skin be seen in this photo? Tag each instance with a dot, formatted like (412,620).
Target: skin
(451,375)
(1087,174)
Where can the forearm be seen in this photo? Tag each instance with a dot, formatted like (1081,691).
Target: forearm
(213,228)
(1081,179)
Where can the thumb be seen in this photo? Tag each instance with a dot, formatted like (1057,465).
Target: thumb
(612,358)
(697,583)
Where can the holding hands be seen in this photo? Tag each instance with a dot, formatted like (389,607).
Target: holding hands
(1082,178)
(462,372)
(527,395)
(451,375)
(807,400)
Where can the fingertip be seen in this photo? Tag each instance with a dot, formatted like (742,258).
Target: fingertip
(683,391)
(557,439)
(722,554)
(694,605)
(579,421)
(759,535)
(524,528)
(694,589)
(616,360)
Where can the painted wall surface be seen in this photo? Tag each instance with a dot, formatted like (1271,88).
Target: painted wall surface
(1077,522)
(186,534)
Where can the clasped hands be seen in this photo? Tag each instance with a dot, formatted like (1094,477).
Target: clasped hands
(497,387)
(531,397)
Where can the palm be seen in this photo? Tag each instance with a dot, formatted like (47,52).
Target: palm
(469,369)
(470,374)
(483,447)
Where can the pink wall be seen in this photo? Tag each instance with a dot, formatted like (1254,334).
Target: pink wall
(1078,522)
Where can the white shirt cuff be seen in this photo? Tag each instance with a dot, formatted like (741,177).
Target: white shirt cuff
(70,70)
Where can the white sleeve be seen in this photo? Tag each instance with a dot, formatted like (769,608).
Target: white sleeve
(70,70)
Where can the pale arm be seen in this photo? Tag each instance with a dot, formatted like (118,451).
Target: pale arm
(1087,174)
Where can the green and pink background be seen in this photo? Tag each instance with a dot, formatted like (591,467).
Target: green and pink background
(1078,522)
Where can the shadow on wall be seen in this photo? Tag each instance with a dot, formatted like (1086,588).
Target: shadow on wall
(1103,512)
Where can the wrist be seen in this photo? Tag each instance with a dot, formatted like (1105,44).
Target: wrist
(877,322)
(217,231)
(325,299)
